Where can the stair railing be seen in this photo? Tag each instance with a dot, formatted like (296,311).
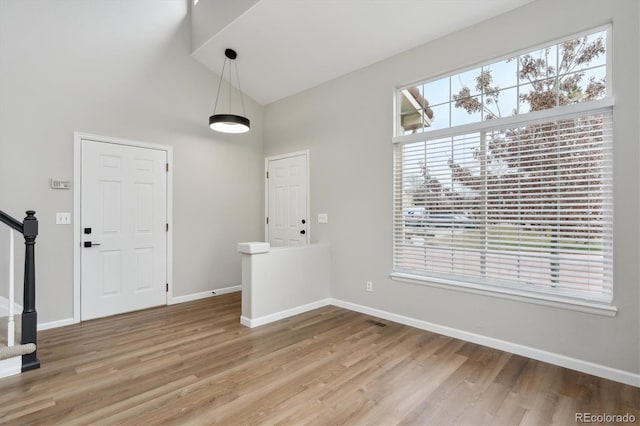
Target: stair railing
(29,229)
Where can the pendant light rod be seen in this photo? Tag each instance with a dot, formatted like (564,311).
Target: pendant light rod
(215,105)
(239,88)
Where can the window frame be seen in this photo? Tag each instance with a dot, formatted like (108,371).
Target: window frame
(606,308)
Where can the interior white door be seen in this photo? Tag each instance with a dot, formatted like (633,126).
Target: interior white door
(123,225)
(288,221)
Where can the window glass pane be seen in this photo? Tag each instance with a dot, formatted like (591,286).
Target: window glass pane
(523,100)
(440,117)
(504,73)
(501,104)
(583,86)
(437,92)
(413,122)
(464,84)
(414,111)
(539,95)
(466,110)
(538,65)
(595,83)
(582,53)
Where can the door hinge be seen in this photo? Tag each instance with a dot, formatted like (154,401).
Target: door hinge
(167,167)
(167,288)
(267,175)
(166,227)
(267,220)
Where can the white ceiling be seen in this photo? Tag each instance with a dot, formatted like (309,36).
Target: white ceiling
(287,46)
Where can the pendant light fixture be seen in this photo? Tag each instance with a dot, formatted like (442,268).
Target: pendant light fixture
(229,123)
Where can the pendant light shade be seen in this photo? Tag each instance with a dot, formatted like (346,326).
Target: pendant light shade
(229,123)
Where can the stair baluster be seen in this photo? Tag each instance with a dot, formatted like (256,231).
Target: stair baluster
(11,330)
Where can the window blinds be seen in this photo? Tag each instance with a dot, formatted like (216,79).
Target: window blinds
(525,206)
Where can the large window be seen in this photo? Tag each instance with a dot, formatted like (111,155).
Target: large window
(503,175)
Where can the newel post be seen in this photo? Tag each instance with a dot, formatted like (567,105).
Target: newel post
(29,314)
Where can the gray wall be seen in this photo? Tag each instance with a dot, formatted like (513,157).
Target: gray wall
(121,69)
(347,125)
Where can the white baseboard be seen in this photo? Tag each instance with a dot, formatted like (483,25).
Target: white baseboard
(4,305)
(245,321)
(179,299)
(204,294)
(10,366)
(55,324)
(256,322)
(603,371)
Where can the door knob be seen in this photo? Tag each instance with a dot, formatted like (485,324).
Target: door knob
(90,244)
(303,232)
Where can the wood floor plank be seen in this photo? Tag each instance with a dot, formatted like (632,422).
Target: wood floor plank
(194,364)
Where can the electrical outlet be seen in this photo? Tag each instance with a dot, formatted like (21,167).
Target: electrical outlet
(369,286)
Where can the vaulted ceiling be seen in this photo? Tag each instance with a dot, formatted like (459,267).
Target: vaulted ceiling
(287,46)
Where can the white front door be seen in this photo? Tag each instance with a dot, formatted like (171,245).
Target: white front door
(123,228)
(287,200)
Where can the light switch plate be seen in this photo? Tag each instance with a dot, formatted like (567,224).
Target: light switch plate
(323,218)
(63,218)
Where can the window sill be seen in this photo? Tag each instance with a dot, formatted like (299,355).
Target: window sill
(511,294)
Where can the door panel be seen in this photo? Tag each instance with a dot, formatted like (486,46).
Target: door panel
(111,271)
(123,201)
(287,201)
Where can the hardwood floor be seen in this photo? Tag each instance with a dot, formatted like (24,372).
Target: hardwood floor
(193,363)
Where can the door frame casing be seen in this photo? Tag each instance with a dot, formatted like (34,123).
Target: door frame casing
(306,153)
(78,137)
